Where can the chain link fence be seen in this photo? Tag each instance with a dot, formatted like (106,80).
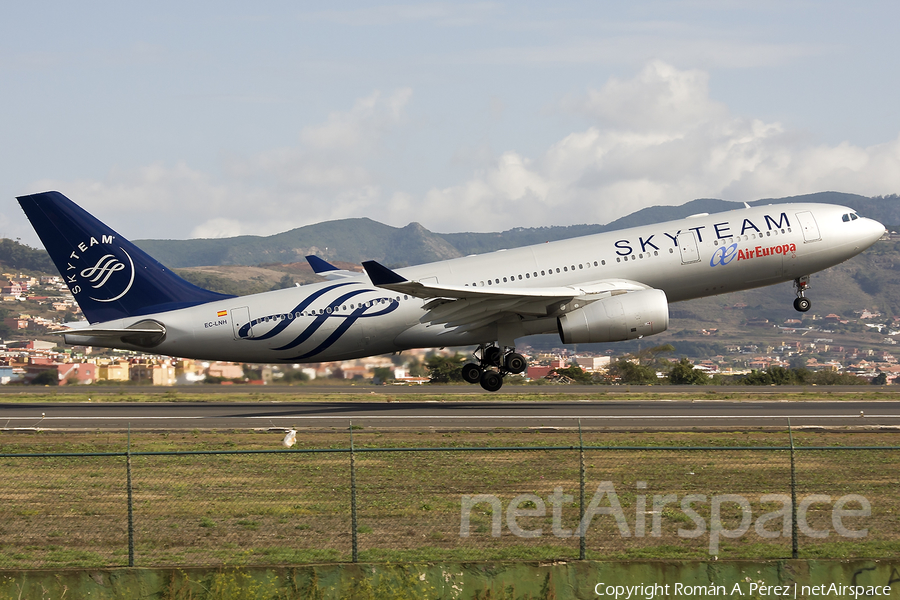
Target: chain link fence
(374,503)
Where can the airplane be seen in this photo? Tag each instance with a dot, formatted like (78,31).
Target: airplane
(604,287)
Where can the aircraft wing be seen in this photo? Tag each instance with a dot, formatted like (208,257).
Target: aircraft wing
(470,307)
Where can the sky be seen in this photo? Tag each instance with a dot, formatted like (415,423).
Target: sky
(210,119)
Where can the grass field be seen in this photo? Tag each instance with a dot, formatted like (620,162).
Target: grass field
(343,392)
(242,507)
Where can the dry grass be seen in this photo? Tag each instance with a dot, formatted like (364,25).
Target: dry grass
(295,506)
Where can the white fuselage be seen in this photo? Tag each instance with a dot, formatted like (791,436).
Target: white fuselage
(349,318)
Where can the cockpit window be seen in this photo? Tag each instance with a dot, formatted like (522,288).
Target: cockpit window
(854,216)
(845,218)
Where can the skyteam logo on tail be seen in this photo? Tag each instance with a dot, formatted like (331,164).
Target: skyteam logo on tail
(99,271)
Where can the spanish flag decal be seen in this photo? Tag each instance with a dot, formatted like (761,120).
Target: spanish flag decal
(222,313)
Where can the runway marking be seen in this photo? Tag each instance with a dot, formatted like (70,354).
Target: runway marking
(460,417)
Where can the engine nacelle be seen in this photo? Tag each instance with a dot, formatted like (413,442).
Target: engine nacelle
(617,318)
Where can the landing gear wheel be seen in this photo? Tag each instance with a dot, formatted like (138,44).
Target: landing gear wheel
(472,372)
(515,363)
(491,381)
(491,356)
(802,304)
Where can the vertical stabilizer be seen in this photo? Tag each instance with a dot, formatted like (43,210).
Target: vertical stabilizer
(110,277)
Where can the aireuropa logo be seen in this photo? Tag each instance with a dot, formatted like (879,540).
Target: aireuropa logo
(99,272)
(726,254)
(605,503)
(723,255)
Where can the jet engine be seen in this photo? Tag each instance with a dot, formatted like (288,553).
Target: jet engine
(616,318)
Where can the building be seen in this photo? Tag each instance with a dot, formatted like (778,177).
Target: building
(77,373)
(161,374)
(593,363)
(118,371)
(225,370)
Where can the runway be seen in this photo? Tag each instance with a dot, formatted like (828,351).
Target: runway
(455,415)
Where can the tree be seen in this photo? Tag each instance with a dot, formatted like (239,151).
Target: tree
(416,368)
(627,372)
(684,373)
(880,379)
(383,374)
(576,374)
(48,377)
(285,282)
(294,376)
(444,369)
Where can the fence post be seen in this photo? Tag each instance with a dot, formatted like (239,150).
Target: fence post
(353,523)
(582,550)
(795,551)
(130,501)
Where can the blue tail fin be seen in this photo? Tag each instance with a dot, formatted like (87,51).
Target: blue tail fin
(110,277)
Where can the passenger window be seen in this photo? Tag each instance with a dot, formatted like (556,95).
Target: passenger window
(504,280)
(602,262)
(565,269)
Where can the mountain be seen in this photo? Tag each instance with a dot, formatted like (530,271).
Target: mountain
(356,240)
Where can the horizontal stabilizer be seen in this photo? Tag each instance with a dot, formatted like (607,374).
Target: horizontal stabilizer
(145,334)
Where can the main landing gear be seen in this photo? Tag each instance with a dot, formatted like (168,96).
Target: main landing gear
(802,303)
(493,363)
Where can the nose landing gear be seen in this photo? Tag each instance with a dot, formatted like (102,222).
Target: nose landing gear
(493,364)
(801,302)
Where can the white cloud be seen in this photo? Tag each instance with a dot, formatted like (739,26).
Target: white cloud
(360,128)
(217,228)
(325,176)
(655,138)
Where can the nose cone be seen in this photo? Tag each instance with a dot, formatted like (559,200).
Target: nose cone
(871,231)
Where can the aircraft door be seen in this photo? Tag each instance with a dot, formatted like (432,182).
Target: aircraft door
(687,245)
(809,226)
(239,318)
